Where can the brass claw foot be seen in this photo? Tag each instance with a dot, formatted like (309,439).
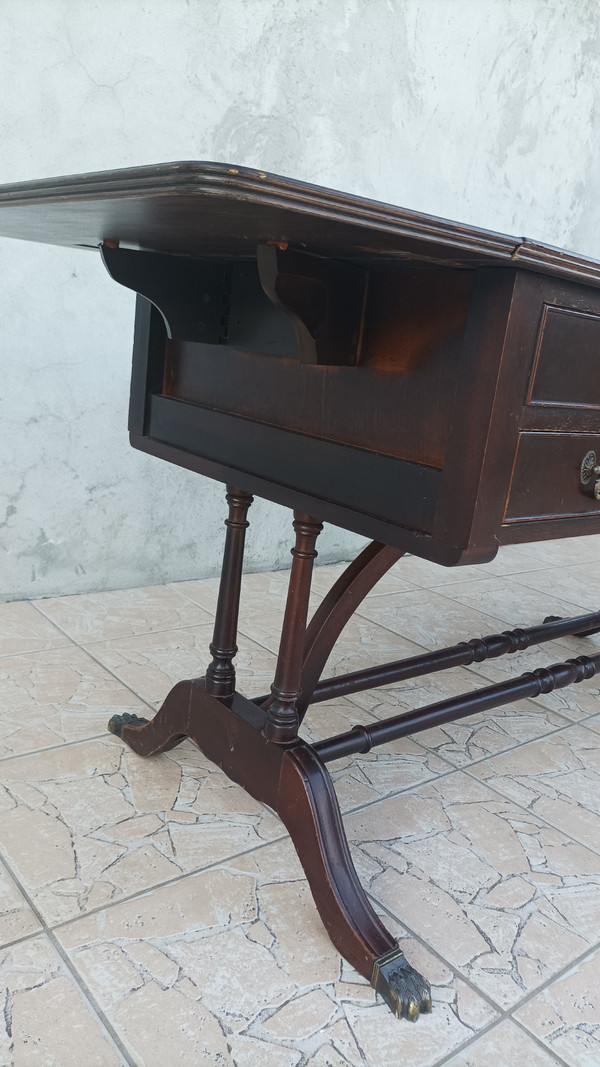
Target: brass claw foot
(402,988)
(116,724)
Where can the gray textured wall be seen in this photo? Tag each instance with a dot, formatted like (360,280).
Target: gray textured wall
(485,111)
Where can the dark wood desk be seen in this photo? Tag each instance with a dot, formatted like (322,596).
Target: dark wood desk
(432,386)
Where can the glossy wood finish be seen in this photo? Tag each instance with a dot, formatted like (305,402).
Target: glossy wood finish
(545,482)
(408,430)
(408,360)
(282,718)
(199,208)
(290,779)
(430,385)
(259,748)
(415,445)
(558,379)
(220,673)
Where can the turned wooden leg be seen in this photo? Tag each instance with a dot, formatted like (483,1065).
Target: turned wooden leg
(170,725)
(220,674)
(282,712)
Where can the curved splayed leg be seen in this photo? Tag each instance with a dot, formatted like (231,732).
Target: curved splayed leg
(308,807)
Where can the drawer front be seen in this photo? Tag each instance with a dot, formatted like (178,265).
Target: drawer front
(545,480)
(566,364)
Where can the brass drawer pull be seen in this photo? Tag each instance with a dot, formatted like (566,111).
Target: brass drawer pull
(590,472)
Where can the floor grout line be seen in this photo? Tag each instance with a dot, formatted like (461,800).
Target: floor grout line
(116,677)
(533,1037)
(38,651)
(131,637)
(486,1030)
(492,755)
(53,748)
(127,898)
(50,931)
(47,932)
(87,994)
(461,770)
(439,591)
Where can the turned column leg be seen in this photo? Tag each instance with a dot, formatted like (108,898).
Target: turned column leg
(282,714)
(220,673)
(171,724)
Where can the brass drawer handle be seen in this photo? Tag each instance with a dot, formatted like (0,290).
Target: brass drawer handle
(590,472)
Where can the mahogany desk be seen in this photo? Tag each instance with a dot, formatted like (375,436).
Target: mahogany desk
(432,386)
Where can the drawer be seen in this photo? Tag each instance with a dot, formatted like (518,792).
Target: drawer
(566,363)
(545,479)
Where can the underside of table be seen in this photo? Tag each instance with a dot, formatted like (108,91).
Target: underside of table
(256,742)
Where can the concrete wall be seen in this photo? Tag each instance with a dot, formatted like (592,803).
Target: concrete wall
(484,111)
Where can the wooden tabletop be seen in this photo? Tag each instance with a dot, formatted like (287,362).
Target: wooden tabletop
(215,209)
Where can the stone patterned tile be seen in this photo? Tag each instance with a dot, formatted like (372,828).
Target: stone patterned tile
(515,603)
(324,577)
(564,550)
(261,592)
(503,897)
(523,600)
(566,1015)
(436,620)
(202,591)
(153,663)
(457,1013)
(472,738)
(431,619)
(511,559)
(578,584)
(182,954)
(363,643)
(505,1045)
(593,724)
(556,778)
(48,1022)
(428,575)
(16,917)
(265,627)
(61,695)
(263,598)
(23,629)
(480,736)
(360,779)
(94,617)
(91,822)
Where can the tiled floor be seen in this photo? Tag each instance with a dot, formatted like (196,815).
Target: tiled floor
(152,914)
